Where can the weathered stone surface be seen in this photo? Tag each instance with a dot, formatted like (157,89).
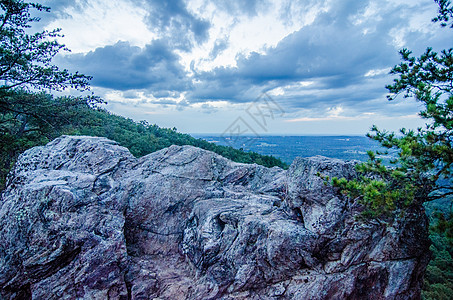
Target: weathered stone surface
(82,218)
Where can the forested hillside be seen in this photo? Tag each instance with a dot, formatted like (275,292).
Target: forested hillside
(32,119)
(438,282)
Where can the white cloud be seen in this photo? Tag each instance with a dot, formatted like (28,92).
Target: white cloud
(245,33)
(377,72)
(325,61)
(102,23)
(276,92)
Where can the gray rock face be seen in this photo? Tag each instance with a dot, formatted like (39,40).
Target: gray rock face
(82,218)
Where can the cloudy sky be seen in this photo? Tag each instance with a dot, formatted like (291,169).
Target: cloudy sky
(258,66)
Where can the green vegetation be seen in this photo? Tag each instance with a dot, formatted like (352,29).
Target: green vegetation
(29,118)
(26,59)
(422,171)
(35,119)
(438,282)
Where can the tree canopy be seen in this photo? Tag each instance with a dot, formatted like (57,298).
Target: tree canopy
(28,117)
(445,15)
(26,59)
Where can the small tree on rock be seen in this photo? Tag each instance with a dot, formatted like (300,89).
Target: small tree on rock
(422,170)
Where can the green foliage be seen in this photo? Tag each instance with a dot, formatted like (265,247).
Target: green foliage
(422,170)
(380,189)
(28,119)
(26,59)
(442,224)
(143,138)
(438,281)
(445,13)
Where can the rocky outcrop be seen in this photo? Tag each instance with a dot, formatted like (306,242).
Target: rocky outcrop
(81,218)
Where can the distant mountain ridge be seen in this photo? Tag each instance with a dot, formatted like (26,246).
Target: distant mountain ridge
(287,148)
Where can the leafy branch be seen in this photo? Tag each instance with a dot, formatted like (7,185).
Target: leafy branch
(422,169)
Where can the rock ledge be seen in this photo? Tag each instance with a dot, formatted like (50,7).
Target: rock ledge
(82,218)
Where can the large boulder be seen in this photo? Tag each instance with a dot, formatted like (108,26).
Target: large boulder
(81,218)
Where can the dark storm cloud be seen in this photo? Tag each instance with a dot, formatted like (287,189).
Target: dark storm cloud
(125,67)
(335,52)
(332,52)
(172,19)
